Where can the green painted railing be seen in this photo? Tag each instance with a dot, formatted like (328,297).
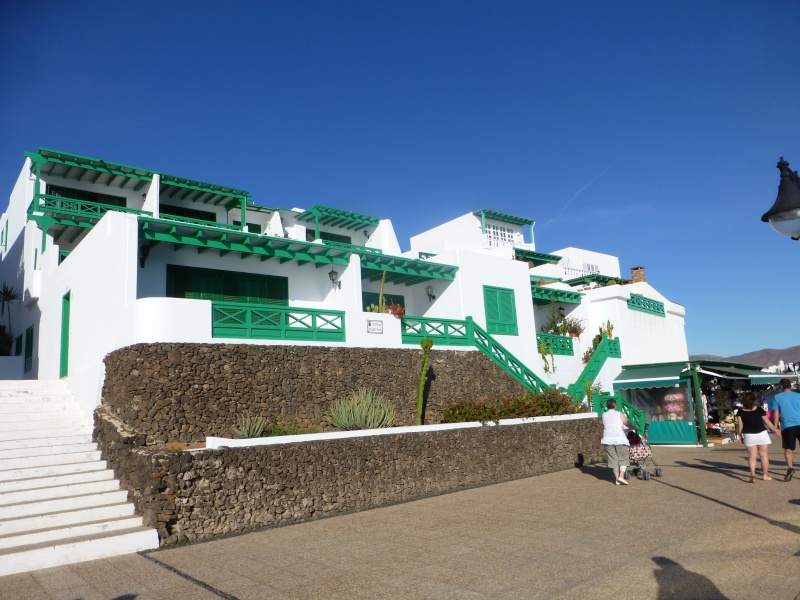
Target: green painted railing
(647,305)
(443,332)
(560,344)
(543,295)
(262,322)
(193,221)
(635,416)
(59,205)
(503,358)
(352,247)
(607,348)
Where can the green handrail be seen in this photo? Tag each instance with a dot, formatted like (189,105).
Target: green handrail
(268,322)
(503,358)
(352,247)
(443,332)
(635,416)
(607,348)
(194,221)
(46,203)
(561,344)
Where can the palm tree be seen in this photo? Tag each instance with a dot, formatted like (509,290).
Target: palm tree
(8,295)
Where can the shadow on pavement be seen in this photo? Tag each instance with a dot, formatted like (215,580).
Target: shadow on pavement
(676,582)
(790,527)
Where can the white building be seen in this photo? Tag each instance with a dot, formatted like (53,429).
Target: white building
(108,255)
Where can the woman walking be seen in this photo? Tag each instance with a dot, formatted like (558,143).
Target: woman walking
(752,424)
(616,442)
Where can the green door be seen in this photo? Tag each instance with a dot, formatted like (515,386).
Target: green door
(64,335)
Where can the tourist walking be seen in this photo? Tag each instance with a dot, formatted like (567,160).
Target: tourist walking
(752,422)
(787,412)
(616,442)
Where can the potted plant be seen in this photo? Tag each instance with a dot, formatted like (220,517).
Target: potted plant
(575,326)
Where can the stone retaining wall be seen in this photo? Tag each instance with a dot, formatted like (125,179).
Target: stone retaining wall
(186,392)
(201,494)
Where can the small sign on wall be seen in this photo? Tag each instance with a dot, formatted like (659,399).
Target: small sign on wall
(374,326)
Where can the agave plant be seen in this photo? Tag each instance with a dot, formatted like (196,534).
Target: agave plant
(250,427)
(364,409)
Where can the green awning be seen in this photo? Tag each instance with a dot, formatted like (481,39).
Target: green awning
(650,376)
(768,378)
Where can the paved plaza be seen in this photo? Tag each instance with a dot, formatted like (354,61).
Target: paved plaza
(700,531)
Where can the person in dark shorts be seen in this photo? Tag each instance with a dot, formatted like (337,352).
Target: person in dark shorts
(787,411)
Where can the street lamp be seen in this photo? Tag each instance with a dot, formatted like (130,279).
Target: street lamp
(784,216)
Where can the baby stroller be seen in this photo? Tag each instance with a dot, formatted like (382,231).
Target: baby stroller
(640,454)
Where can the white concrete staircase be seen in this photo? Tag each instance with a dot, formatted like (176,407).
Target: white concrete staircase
(59,503)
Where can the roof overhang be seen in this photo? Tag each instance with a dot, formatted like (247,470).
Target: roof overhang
(334,217)
(404,271)
(502,217)
(537,258)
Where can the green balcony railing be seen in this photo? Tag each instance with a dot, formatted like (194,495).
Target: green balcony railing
(263,322)
(193,221)
(59,205)
(607,348)
(647,305)
(443,332)
(560,344)
(352,247)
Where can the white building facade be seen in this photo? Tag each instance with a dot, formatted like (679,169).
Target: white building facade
(106,255)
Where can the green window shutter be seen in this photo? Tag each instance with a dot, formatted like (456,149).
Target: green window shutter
(501,312)
(226,286)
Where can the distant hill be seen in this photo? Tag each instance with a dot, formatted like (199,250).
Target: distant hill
(762,358)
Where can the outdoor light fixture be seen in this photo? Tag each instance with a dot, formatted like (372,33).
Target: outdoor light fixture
(429,291)
(784,216)
(144,197)
(335,279)
(561,310)
(144,252)
(366,233)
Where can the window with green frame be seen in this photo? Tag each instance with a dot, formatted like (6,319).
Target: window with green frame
(18,345)
(368,298)
(331,237)
(226,286)
(251,227)
(501,311)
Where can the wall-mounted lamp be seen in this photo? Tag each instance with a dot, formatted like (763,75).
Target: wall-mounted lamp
(144,252)
(335,279)
(366,233)
(561,310)
(429,291)
(144,198)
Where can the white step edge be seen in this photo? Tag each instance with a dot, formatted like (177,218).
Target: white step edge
(51,413)
(75,552)
(74,531)
(28,509)
(33,425)
(48,482)
(61,491)
(8,436)
(64,440)
(52,470)
(7,464)
(63,519)
(46,450)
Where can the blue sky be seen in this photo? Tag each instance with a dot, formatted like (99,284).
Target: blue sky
(649,131)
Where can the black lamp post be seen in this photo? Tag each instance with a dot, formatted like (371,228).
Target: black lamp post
(784,216)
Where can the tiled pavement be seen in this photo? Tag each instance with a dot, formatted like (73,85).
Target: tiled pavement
(700,531)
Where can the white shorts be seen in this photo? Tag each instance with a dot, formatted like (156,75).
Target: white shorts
(757,439)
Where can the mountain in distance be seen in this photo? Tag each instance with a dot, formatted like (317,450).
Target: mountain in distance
(761,358)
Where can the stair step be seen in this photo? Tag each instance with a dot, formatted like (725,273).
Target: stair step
(27,462)
(51,470)
(44,555)
(59,480)
(28,509)
(58,431)
(13,405)
(42,412)
(64,519)
(63,533)
(60,491)
(32,426)
(60,449)
(64,440)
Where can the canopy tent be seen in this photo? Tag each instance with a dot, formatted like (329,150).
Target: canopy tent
(668,393)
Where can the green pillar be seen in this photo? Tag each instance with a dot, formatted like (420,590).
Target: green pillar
(698,407)
(244,213)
